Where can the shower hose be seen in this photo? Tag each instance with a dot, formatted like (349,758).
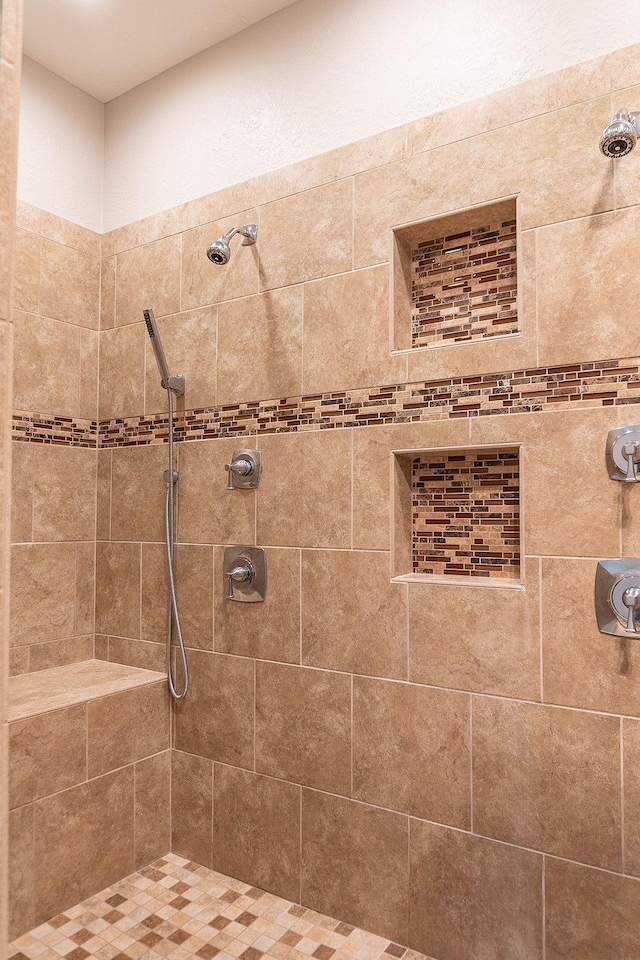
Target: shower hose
(173,615)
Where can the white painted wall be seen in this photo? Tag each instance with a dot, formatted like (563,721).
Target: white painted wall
(316,75)
(61,147)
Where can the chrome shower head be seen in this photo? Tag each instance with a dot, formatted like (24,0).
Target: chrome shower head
(220,252)
(621,136)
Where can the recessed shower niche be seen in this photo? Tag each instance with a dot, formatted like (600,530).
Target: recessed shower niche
(456,513)
(455,278)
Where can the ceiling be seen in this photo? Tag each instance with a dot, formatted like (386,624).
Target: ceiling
(106,47)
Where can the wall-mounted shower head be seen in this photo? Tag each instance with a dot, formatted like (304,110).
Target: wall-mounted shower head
(621,136)
(220,252)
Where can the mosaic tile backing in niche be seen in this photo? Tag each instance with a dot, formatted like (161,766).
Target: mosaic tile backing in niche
(466,513)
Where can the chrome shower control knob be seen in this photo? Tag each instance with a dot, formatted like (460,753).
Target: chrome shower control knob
(243,473)
(242,573)
(630,451)
(631,600)
(623,454)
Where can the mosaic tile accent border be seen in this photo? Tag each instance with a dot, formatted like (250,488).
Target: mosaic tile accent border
(466,513)
(464,286)
(599,384)
(179,909)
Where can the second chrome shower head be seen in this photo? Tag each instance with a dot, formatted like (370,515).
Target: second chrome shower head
(219,251)
(621,136)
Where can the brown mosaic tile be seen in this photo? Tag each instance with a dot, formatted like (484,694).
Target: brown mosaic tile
(323,952)
(219,923)
(152,921)
(59,921)
(179,903)
(151,939)
(81,936)
(208,951)
(113,916)
(116,900)
(252,954)
(344,929)
(395,950)
(297,911)
(291,938)
(78,954)
(246,918)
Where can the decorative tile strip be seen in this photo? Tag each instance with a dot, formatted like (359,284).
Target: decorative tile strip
(60,431)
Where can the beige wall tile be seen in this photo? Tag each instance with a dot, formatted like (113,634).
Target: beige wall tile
(412,751)
(471,897)
(477,637)
(46,370)
(152,825)
(418,188)
(567,766)
(122,372)
(194,585)
(549,442)
(303,726)
(48,753)
(191,807)
(354,864)
(21,491)
(256,830)
(126,727)
(57,653)
(89,363)
(315,494)
(63,493)
(148,276)
(118,589)
(103,495)
(631,767)
(21,871)
(85,587)
(353,617)
(217,515)
(260,347)
(107,293)
(583,667)
(216,719)
(26,271)
(204,282)
(83,842)
(137,492)
(43,592)
(590,915)
(18,661)
(346,333)
(69,233)
(69,285)
(28,217)
(306,235)
(138,653)
(189,341)
(626,174)
(269,630)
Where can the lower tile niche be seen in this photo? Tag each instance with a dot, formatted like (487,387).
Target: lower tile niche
(457,513)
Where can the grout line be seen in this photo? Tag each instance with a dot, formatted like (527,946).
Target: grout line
(622,792)
(300,603)
(540,629)
(351,730)
(544,907)
(471,759)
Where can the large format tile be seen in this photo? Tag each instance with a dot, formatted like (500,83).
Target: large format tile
(194,586)
(46,370)
(548,779)
(126,727)
(152,824)
(48,753)
(63,493)
(191,807)
(303,726)
(631,788)
(21,871)
(148,277)
(69,285)
(122,372)
(118,589)
(189,342)
(43,592)
(138,492)
(209,513)
(204,282)
(26,271)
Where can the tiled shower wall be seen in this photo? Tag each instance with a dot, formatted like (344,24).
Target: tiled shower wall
(457,768)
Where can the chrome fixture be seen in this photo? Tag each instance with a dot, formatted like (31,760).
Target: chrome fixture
(243,473)
(617,596)
(220,252)
(620,137)
(245,573)
(173,386)
(623,454)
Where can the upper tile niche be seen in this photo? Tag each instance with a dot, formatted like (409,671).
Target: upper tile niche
(455,278)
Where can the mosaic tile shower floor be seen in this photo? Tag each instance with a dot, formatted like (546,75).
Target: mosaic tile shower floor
(179,909)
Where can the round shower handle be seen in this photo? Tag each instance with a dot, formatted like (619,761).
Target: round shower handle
(243,572)
(241,468)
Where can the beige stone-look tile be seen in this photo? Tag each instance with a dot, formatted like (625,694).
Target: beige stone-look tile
(346,333)
(584,315)
(138,492)
(354,864)
(308,505)
(28,217)
(63,493)
(118,589)
(303,726)
(85,588)
(216,719)
(353,617)
(57,653)
(194,586)
(21,871)
(26,271)
(590,915)
(260,347)
(122,372)
(204,282)
(152,824)
(471,897)
(103,495)
(126,727)
(256,830)
(549,442)
(89,364)
(148,277)
(306,235)
(209,513)
(549,191)
(191,807)
(189,341)
(22,491)
(583,667)
(18,661)
(43,592)
(412,750)
(491,644)
(46,372)
(69,285)
(418,188)
(69,233)
(631,787)
(107,293)
(626,173)
(138,653)
(48,753)
(83,841)
(548,779)
(269,630)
